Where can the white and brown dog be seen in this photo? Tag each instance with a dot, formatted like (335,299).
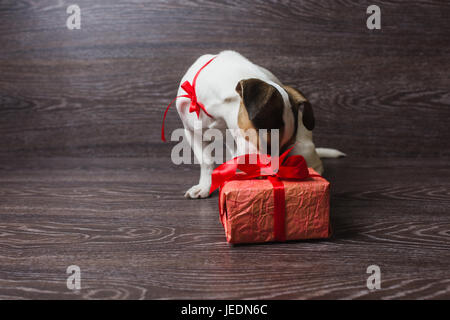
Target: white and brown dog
(239,95)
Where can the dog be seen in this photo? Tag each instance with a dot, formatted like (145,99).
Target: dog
(239,95)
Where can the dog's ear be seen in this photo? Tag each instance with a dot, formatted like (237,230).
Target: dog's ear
(263,102)
(297,100)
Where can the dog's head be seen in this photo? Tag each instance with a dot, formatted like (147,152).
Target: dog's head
(263,106)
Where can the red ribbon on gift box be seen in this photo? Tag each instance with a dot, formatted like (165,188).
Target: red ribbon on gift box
(290,168)
(195,105)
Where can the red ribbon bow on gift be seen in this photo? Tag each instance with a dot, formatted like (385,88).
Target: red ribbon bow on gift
(195,106)
(292,168)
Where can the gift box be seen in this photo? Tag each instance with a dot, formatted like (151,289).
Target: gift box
(292,204)
(247,209)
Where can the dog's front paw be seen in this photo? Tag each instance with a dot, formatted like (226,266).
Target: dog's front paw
(197,192)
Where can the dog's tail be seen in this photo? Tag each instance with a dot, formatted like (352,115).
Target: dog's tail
(329,153)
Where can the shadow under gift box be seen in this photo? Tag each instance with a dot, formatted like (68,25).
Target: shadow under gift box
(247,209)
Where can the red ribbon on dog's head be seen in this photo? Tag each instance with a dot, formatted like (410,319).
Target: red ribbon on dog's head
(195,106)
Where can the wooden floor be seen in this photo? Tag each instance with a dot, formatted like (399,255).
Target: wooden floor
(125,223)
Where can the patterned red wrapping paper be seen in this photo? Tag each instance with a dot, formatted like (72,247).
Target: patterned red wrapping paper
(247,207)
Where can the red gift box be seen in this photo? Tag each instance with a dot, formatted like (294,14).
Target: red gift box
(292,204)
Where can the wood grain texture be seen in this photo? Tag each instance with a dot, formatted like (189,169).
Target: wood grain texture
(101,90)
(85,180)
(125,223)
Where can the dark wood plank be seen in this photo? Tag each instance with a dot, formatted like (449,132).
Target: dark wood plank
(102,90)
(125,223)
